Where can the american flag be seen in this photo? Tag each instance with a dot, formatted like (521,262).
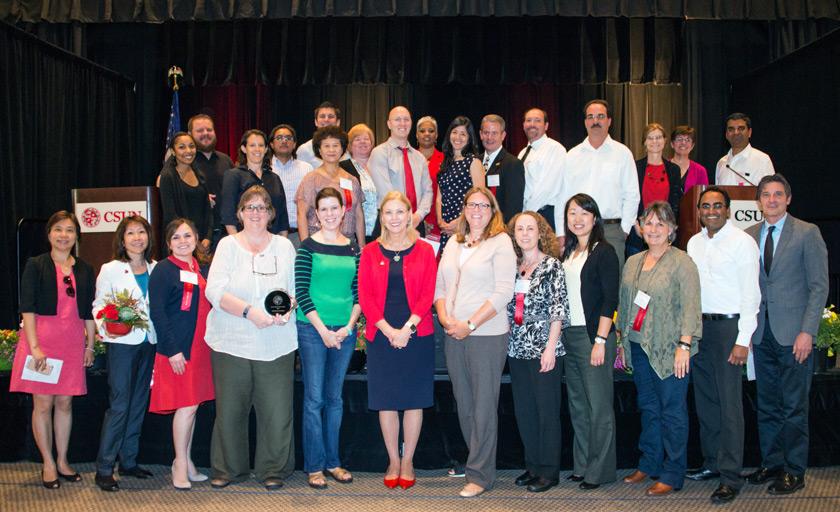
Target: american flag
(174,120)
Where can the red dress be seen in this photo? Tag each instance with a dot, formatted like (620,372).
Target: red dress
(195,385)
(434,166)
(61,336)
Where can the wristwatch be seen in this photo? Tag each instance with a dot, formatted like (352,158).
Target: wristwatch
(685,346)
(245,311)
(600,340)
(471,325)
(411,327)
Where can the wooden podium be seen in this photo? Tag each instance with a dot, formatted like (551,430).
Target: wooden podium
(743,211)
(100,211)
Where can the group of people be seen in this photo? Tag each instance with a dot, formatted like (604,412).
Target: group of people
(531,271)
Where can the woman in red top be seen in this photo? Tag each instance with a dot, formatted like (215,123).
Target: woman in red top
(397,273)
(426,138)
(659,180)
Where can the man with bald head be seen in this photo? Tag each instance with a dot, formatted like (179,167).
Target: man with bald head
(395,165)
(543,159)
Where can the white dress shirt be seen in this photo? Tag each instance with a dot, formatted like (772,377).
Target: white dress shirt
(608,174)
(544,169)
(386,169)
(728,267)
(291,173)
(573,266)
(233,272)
(752,163)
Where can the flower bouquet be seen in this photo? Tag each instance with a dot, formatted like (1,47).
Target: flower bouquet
(828,336)
(122,313)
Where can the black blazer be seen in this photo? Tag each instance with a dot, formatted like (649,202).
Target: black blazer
(674,182)
(174,328)
(599,287)
(39,291)
(348,166)
(511,191)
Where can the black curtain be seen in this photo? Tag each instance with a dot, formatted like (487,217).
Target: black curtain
(91,11)
(64,123)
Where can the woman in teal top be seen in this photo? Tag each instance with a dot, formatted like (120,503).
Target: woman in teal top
(326,289)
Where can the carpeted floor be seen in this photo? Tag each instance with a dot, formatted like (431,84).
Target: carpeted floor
(21,491)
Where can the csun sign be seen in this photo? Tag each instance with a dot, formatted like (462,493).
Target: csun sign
(105,217)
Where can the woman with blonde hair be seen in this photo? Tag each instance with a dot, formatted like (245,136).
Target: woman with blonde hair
(474,285)
(397,273)
(361,144)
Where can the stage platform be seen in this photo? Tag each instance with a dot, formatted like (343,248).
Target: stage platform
(440,443)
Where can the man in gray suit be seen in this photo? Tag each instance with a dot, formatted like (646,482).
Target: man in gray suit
(794,287)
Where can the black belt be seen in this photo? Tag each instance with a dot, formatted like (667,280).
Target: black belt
(720,316)
(612,221)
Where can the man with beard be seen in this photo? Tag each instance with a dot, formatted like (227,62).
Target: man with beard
(743,164)
(727,261)
(212,164)
(504,173)
(326,114)
(543,159)
(603,168)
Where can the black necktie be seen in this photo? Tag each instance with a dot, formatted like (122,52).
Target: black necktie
(525,156)
(768,249)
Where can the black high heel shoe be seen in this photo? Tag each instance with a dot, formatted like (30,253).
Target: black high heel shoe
(75,477)
(53,484)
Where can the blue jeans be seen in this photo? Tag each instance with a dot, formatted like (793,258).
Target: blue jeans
(664,421)
(323,372)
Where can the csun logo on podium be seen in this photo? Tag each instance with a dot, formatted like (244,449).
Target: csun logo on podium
(105,217)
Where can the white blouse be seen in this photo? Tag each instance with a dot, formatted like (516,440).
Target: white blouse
(250,277)
(573,266)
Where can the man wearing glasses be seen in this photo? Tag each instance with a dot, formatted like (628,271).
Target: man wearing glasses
(743,165)
(283,141)
(603,168)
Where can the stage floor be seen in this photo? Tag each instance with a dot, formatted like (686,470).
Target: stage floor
(20,491)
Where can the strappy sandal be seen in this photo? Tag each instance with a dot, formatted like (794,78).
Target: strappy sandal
(317,480)
(340,475)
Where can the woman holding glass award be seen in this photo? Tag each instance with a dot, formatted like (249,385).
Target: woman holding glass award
(253,344)
(326,287)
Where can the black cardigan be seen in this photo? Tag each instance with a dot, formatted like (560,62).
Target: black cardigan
(675,191)
(174,328)
(348,166)
(39,291)
(599,287)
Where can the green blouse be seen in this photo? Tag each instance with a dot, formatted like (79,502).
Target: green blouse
(673,311)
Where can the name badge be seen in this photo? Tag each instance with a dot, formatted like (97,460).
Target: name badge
(346,184)
(492,180)
(642,299)
(522,286)
(189,277)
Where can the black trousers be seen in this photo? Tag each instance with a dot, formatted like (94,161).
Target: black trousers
(536,402)
(783,388)
(129,376)
(717,394)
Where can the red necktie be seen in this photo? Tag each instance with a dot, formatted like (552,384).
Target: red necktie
(409,181)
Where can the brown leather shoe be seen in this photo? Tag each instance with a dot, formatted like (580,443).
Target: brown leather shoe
(659,489)
(635,477)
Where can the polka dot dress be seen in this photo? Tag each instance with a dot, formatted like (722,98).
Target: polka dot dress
(453,182)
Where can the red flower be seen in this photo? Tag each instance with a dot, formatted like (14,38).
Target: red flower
(110,313)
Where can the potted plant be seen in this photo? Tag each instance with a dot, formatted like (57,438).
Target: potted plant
(122,313)
(828,336)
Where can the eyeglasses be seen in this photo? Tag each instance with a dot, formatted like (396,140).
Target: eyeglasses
(599,117)
(71,292)
(655,137)
(682,139)
(284,138)
(264,264)
(254,208)
(478,206)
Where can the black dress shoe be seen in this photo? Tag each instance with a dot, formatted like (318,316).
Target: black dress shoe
(107,483)
(541,485)
(51,484)
(724,494)
(787,484)
(136,472)
(219,483)
(586,486)
(574,478)
(702,474)
(525,478)
(762,475)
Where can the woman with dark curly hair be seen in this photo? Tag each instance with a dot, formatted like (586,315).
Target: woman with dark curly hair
(329,144)
(536,326)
